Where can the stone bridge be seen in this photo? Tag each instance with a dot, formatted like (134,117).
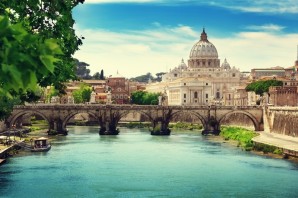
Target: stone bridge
(108,116)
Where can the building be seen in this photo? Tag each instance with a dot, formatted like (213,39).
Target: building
(118,86)
(256,74)
(202,82)
(283,95)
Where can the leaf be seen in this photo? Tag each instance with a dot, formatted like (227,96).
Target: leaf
(48,62)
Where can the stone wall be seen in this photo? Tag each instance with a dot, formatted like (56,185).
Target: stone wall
(285,124)
(283,120)
(238,119)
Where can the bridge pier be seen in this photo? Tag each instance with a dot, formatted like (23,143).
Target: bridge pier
(160,128)
(56,127)
(108,123)
(212,127)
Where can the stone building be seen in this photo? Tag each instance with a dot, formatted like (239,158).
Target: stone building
(119,89)
(283,95)
(256,74)
(203,81)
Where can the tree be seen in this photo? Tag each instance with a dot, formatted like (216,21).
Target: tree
(83,94)
(159,76)
(49,19)
(24,57)
(96,76)
(81,70)
(101,75)
(144,98)
(143,78)
(37,41)
(259,87)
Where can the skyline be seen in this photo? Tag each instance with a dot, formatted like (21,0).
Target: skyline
(134,37)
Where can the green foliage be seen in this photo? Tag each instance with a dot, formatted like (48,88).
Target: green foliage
(51,93)
(267,148)
(6,106)
(243,136)
(81,70)
(45,20)
(24,57)
(83,94)
(259,87)
(144,98)
(143,78)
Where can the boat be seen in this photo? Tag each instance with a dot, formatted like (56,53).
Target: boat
(41,145)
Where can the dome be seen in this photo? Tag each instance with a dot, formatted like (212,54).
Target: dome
(182,65)
(225,65)
(203,49)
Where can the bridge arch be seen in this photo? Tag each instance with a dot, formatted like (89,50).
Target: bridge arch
(249,115)
(70,115)
(191,112)
(14,117)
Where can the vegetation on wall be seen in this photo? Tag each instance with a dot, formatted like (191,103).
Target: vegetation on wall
(260,87)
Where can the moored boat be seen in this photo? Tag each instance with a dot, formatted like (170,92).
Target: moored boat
(41,145)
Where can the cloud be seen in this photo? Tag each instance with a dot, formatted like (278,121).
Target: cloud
(134,53)
(247,50)
(266,27)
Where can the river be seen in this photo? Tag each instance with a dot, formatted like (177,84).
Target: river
(136,164)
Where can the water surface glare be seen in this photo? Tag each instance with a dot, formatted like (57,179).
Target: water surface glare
(136,164)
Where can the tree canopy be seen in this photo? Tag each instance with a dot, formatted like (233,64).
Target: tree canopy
(260,87)
(49,19)
(37,41)
(144,98)
(83,94)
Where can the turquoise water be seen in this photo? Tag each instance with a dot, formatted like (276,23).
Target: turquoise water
(136,164)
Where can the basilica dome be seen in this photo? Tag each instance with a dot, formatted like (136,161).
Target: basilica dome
(203,49)
(225,65)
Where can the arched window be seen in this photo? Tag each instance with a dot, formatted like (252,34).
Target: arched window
(196,95)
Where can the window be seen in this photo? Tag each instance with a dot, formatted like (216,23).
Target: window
(184,83)
(196,95)
(206,83)
(233,74)
(206,95)
(184,101)
(184,95)
(175,75)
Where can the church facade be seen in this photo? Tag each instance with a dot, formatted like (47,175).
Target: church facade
(203,81)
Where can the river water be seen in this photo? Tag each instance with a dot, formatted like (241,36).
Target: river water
(136,164)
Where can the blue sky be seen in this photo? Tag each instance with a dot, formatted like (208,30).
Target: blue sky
(134,37)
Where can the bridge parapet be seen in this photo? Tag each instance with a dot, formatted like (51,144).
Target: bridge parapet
(108,116)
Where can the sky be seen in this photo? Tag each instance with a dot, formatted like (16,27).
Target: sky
(134,37)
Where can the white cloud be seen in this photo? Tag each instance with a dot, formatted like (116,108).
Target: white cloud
(138,52)
(135,52)
(266,27)
(247,50)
